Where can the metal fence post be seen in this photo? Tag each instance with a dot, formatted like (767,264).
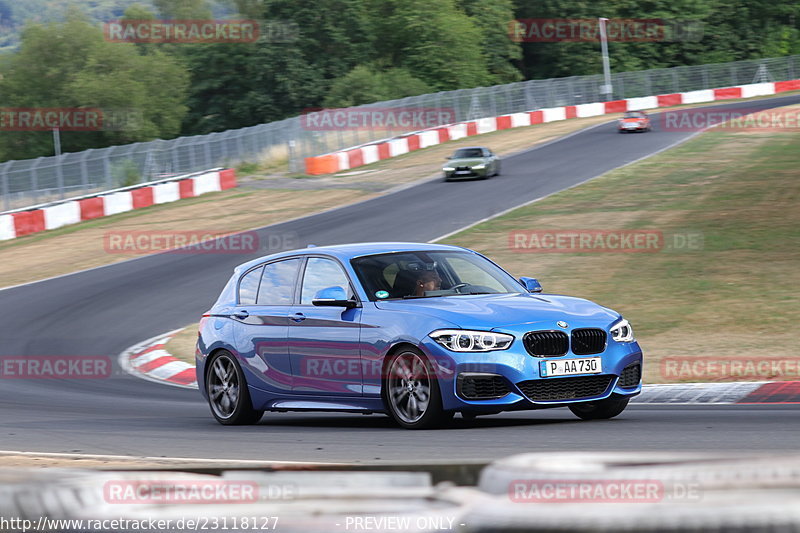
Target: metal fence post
(107,170)
(84,170)
(35,178)
(6,194)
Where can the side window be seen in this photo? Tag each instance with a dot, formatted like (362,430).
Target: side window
(320,274)
(487,152)
(248,287)
(277,283)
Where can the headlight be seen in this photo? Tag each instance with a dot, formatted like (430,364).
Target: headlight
(448,169)
(622,331)
(462,340)
(479,167)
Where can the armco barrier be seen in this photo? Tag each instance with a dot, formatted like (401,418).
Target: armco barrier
(388,148)
(55,215)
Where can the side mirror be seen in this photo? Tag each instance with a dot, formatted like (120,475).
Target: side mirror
(332,297)
(531,284)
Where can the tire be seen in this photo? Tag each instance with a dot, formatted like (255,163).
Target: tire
(411,394)
(600,410)
(231,406)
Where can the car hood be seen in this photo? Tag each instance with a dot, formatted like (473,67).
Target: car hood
(465,162)
(508,311)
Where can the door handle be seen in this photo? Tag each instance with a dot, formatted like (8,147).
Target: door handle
(241,314)
(297,317)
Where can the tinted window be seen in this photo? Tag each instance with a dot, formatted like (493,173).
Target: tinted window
(277,283)
(320,274)
(468,152)
(430,274)
(248,287)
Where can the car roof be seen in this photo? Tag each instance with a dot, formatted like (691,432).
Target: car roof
(470,148)
(345,252)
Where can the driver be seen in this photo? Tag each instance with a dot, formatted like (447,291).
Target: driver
(428,280)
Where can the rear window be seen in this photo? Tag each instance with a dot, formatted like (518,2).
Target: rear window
(248,286)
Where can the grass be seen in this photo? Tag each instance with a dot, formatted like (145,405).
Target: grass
(182,345)
(80,246)
(83,245)
(736,192)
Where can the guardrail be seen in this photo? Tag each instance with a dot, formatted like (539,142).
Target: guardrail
(357,156)
(52,215)
(81,172)
(547,491)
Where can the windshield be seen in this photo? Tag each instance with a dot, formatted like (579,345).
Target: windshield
(468,152)
(633,114)
(431,274)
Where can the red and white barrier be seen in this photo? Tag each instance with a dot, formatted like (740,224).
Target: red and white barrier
(364,155)
(58,214)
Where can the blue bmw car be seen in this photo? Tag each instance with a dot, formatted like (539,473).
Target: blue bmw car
(416,331)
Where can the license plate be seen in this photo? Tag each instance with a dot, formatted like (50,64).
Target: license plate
(461,172)
(571,367)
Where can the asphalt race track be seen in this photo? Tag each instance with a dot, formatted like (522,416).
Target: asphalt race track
(105,310)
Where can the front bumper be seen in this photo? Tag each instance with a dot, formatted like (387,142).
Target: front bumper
(520,374)
(471,174)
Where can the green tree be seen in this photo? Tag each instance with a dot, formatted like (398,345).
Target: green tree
(492,18)
(435,41)
(183,9)
(70,65)
(363,85)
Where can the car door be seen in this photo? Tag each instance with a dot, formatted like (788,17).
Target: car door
(266,294)
(324,342)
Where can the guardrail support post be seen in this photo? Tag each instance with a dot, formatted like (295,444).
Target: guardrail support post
(6,194)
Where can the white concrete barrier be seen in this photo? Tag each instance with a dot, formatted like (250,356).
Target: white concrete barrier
(551,114)
(119,202)
(697,97)
(7,230)
(59,215)
(166,192)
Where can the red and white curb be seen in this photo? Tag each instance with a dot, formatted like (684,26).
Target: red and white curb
(741,392)
(54,215)
(149,360)
(357,156)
